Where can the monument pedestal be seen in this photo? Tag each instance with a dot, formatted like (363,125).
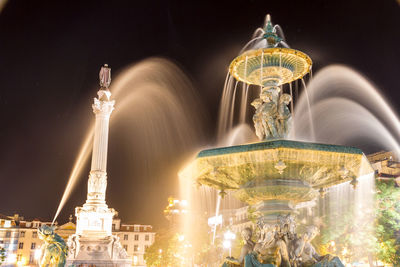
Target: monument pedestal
(93,244)
(95,251)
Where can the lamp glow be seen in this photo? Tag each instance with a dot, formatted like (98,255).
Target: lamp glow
(227,244)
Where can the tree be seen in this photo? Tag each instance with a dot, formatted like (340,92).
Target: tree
(388,222)
(162,251)
(2,255)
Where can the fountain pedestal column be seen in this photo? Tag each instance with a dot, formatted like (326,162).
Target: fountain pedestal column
(93,242)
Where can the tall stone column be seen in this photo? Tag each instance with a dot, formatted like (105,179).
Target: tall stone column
(102,108)
(95,218)
(93,243)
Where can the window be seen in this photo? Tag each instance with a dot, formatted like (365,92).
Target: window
(146,247)
(125,237)
(136,228)
(22,234)
(136,237)
(21,245)
(34,234)
(136,248)
(19,256)
(146,237)
(33,245)
(113,226)
(31,258)
(126,247)
(8,234)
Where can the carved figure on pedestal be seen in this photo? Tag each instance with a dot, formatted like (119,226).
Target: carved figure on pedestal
(284,116)
(305,254)
(246,249)
(269,114)
(267,247)
(257,118)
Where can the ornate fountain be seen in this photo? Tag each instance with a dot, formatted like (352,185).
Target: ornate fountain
(276,175)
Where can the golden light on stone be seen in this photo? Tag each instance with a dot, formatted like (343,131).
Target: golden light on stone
(250,170)
(259,66)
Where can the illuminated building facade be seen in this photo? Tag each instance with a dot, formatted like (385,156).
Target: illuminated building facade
(386,165)
(22,244)
(175,210)
(135,239)
(20,240)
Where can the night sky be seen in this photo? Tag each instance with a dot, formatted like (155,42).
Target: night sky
(51,52)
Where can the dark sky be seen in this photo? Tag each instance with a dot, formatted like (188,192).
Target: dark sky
(51,52)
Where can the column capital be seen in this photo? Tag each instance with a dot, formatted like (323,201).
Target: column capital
(103,107)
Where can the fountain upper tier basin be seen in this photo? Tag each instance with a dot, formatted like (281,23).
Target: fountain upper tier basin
(277,170)
(266,65)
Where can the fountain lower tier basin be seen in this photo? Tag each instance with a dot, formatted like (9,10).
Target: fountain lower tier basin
(277,170)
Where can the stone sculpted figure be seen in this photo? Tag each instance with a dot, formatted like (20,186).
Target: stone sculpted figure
(272,118)
(257,118)
(274,93)
(54,250)
(284,117)
(279,246)
(305,254)
(246,249)
(285,236)
(267,247)
(269,114)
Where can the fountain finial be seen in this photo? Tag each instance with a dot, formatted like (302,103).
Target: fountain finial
(270,33)
(105,76)
(268,23)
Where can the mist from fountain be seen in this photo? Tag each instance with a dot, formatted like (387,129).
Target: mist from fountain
(155,102)
(346,220)
(345,107)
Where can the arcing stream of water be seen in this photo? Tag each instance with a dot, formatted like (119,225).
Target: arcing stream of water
(344,107)
(159,105)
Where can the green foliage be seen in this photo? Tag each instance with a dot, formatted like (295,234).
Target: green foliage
(348,230)
(162,251)
(357,240)
(2,255)
(172,249)
(388,222)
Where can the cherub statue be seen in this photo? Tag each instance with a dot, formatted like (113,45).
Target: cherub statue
(54,250)
(269,114)
(273,92)
(284,117)
(257,118)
